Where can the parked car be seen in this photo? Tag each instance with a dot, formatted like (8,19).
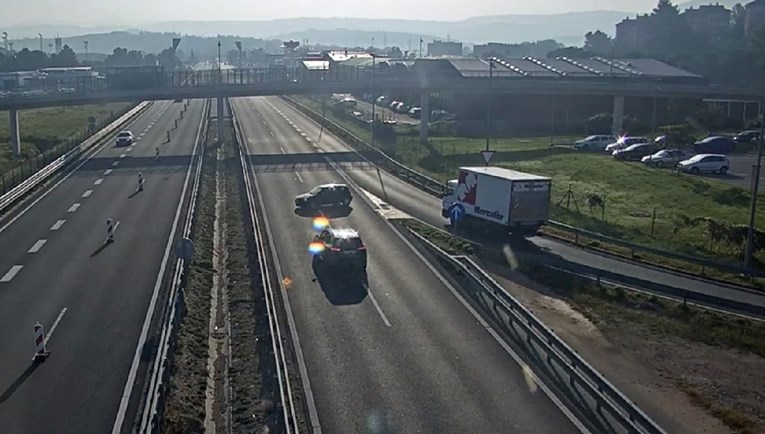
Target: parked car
(747,136)
(714,163)
(596,142)
(665,158)
(715,145)
(624,142)
(633,152)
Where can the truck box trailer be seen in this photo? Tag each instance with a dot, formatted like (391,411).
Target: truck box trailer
(517,201)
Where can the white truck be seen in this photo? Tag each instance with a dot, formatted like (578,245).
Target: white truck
(513,201)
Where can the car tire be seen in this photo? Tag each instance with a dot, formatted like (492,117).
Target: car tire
(723,170)
(694,169)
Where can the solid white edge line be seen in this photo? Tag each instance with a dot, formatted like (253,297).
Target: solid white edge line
(55,324)
(128,390)
(555,400)
(60,181)
(11,273)
(313,413)
(37,246)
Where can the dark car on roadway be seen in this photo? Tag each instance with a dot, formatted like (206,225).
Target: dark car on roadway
(325,195)
(633,152)
(340,248)
(715,145)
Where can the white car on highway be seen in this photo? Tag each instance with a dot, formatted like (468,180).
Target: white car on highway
(597,142)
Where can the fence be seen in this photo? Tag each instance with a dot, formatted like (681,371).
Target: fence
(30,166)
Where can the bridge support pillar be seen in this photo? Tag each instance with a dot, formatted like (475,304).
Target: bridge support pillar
(220,120)
(618,117)
(424,117)
(15,133)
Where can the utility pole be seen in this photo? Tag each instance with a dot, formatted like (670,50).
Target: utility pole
(755,191)
(488,103)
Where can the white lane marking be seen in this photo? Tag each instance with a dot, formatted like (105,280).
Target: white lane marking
(87,193)
(377,306)
(55,324)
(37,246)
(56,226)
(130,382)
(73,208)
(107,172)
(123,155)
(299,177)
(11,273)
(115,164)
(98,181)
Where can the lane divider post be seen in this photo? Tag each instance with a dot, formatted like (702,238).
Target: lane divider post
(41,353)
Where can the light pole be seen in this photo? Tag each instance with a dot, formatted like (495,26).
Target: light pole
(755,190)
(488,103)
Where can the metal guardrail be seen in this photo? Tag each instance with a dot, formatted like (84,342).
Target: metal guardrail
(605,394)
(159,374)
(288,406)
(435,188)
(27,185)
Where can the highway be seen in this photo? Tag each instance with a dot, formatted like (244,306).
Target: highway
(56,268)
(400,353)
(423,206)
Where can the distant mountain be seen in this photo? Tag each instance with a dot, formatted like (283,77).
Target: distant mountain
(567,28)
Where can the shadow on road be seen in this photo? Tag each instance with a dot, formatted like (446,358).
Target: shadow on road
(341,287)
(101,248)
(19,381)
(333,212)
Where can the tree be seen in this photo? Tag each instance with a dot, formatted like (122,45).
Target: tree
(65,58)
(598,43)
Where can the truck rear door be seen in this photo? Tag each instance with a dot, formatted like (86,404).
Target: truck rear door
(530,202)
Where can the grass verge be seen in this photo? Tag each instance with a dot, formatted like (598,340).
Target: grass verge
(664,319)
(641,205)
(45,128)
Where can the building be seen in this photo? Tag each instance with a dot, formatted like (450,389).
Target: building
(632,33)
(444,48)
(712,21)
(755,17)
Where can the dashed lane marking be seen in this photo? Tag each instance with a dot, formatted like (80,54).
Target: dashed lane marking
(7,277)
(56,226)
(37,246)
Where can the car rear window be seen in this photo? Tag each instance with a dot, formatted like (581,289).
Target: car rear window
(350,243)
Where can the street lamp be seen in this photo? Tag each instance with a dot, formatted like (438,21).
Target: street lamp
(488,103)
(755,190)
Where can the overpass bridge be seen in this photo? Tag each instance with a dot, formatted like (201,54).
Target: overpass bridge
(141,84)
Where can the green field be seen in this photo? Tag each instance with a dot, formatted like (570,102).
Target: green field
(42,129)
(632,192)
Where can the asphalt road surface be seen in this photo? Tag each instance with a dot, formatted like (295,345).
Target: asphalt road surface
(401,353)
(425,207)
(55,268)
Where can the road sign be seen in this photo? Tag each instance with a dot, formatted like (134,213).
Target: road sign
(184,248)
(456,212)
(487,156)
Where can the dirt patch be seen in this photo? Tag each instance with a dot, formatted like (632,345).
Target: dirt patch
(643,346)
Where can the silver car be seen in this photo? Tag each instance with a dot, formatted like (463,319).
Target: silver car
(666,158)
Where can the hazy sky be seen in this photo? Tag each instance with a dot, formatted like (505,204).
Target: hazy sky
(93,12)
